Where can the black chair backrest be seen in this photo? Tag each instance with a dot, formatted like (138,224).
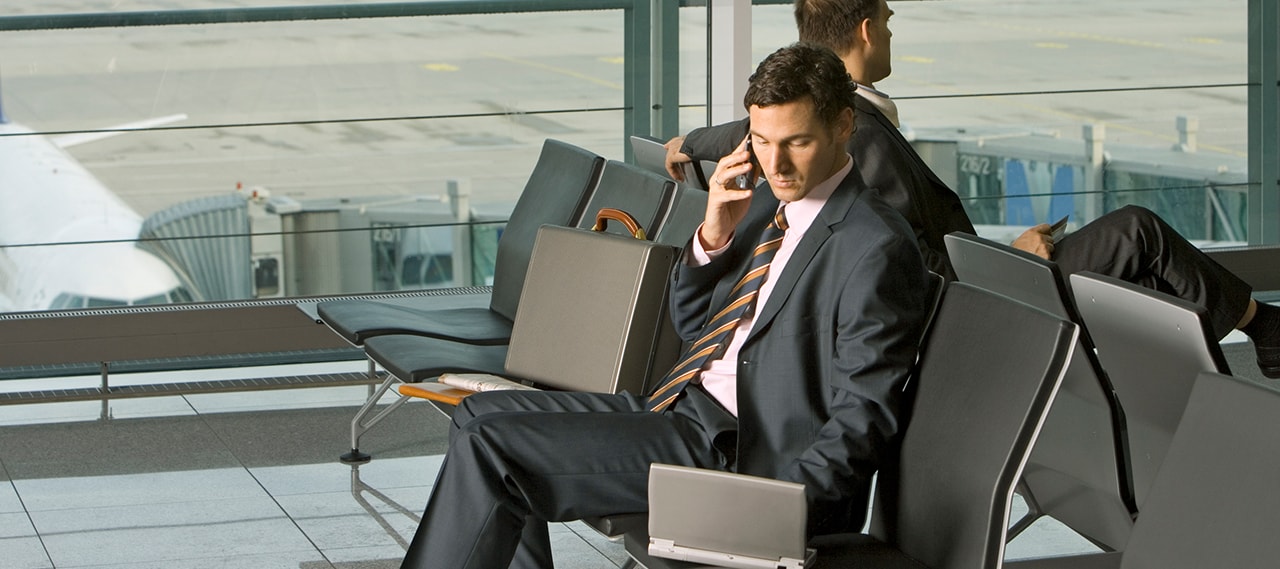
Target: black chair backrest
(937,286)
(1152,345)
(1216,500)
(1079,471)
(556,194)
(643,194)
(988,373)
(687,211)
(1017,274)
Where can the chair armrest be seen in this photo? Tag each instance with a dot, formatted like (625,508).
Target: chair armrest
(437,392)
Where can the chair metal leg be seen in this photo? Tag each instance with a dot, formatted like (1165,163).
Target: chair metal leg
(359,426)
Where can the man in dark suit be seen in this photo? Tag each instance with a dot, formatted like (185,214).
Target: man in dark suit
(802,301)
(1131,243)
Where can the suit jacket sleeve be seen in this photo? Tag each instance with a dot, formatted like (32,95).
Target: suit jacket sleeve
(692,287)
(714,142)
(882,309)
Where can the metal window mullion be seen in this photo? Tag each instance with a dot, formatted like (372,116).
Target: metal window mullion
(1264,123)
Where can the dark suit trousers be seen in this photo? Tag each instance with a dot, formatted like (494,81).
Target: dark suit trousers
(517,460)
(1135,245)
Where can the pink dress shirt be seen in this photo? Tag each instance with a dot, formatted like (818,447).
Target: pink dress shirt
(720,376)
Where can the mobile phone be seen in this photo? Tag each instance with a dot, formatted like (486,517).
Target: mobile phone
(1059,228)
(748,181)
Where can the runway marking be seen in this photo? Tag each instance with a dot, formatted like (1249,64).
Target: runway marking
(1205,41)
(1075,35)
(554,69)
(440,67)
(916,59)
(1051,45)
(614,60)
(1084,118)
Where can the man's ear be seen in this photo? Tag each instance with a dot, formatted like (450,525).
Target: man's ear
(844,124)
(863,33)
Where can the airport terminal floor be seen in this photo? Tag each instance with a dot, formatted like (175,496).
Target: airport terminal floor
(252,480)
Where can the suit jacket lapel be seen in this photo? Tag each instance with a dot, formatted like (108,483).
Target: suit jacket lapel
(835,211)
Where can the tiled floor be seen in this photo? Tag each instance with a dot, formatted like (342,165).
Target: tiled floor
(251,480)
(235,480)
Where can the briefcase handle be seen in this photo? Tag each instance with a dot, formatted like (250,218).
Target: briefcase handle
(630,222)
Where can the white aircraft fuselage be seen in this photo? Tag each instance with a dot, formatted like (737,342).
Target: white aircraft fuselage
(47,200)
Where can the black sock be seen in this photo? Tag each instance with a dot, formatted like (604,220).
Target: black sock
(1264,329)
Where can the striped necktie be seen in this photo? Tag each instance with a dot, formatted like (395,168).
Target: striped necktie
(717,332)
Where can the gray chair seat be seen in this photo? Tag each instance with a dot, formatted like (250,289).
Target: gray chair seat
(418,358)
(360,320)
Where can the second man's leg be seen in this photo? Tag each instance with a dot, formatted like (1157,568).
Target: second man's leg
(1135,245)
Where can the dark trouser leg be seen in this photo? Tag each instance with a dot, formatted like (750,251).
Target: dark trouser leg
(546,457)
(1135,245)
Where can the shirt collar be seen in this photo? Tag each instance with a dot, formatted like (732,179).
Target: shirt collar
(881,101)
(871,90)
(800,214)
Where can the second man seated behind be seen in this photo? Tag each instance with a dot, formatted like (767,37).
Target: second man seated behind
(1132,243)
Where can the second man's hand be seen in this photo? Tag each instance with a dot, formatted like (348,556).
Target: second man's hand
(726,203)
(675,158)
(1037,240)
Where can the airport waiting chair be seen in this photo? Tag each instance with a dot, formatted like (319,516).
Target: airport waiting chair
(667,215)
(569,336)
(414,358)
(556,193)
(614,527)
(688,209)
(1079,471)
(645,195)
(982,394)
(1153,346)
(1216,497)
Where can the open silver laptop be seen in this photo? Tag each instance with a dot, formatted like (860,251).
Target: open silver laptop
(652,155)
(726,519)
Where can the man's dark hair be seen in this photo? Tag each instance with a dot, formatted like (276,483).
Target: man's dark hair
(831,23)
(802,70)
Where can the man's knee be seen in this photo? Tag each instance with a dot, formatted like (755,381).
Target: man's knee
(477,431)
(1138,217)
(1131,224)
(469,408)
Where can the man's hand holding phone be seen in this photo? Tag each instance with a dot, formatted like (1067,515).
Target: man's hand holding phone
(728,197)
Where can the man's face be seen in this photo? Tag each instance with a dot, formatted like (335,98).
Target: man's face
(795,148)
(879,63)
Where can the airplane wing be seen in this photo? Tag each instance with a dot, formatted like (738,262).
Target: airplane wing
(69,140)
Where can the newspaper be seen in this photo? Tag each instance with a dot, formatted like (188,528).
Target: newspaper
(481,382)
